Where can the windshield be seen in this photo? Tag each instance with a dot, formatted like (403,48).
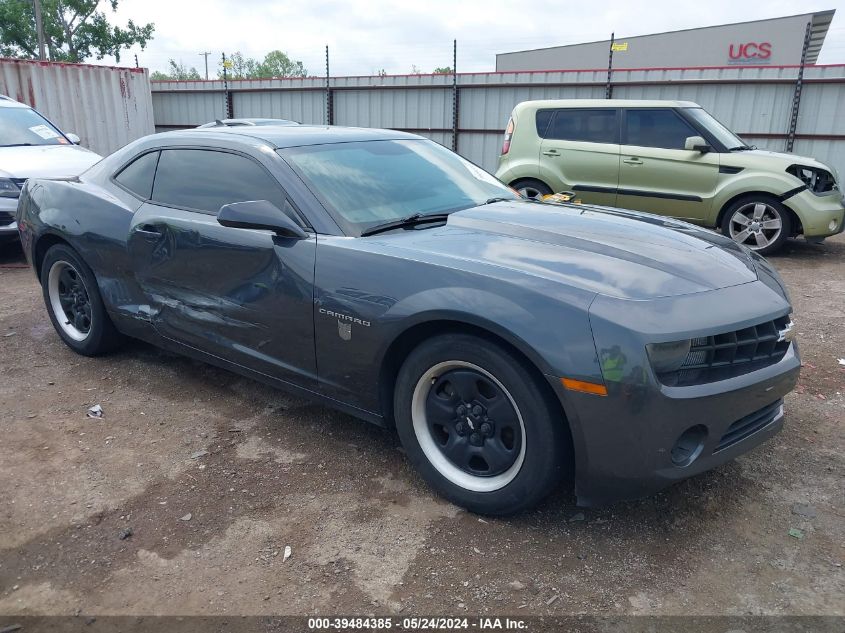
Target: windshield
(23,126)
(364,184)
(722,134)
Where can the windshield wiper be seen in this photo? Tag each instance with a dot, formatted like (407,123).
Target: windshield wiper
(19,145)
(742,148)
(411,220)
(500,199)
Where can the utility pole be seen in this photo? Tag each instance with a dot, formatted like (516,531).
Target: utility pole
(39,28)
(137,65)
(206,54)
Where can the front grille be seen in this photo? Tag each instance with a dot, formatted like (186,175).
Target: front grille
(723,356)
(749,425)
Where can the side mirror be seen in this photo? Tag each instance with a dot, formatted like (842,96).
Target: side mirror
(262,215)
(696,144)
(73,138)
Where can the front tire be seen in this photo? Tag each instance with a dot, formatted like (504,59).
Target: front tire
(477,426)
(74,304)
(759,222)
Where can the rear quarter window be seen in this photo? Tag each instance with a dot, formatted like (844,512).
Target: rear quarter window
(597,125)
(138,175)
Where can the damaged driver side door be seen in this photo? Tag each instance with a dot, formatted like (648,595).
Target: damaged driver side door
(243,295)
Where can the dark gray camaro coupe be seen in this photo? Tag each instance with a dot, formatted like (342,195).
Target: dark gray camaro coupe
(508,341)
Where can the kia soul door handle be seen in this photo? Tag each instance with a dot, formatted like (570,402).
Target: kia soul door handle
(632,161)
(551,152)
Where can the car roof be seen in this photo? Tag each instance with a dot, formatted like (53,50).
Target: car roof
(281,136)
(8,102)
(607,103)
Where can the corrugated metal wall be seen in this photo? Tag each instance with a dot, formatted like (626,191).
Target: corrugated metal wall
(107,107)
(753,101)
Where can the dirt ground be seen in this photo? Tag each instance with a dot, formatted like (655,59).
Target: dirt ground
(215,475)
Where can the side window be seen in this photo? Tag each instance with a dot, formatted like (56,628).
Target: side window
(205,180)
(592,126)
(544,117)
(138,175)
(656,128)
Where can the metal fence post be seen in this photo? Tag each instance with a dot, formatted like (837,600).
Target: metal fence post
(608,91)
(455,102)
(796,97)
(227,97)
(329,108)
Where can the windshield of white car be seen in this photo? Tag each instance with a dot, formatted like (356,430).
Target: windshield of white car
(370,183)
(722,134)
(20,127)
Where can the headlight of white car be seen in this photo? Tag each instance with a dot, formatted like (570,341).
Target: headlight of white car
(8,189)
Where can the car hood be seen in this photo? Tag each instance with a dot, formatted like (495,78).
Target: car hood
(774,160)
(608,251)
(45,161)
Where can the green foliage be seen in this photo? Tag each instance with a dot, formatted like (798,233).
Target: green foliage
(275,64)
(176,71)
(74,30)
(444,70)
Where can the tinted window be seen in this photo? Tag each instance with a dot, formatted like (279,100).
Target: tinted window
(592,126)
(544,117)
(657,128)
(205,180)
(138,175)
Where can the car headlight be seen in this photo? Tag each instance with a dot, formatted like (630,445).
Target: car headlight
(668,357)
(9,189)
(817,180)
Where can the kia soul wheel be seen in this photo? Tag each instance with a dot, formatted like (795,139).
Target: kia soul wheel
(760,223)
(477,426)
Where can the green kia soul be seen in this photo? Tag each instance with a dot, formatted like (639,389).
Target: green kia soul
(670,158)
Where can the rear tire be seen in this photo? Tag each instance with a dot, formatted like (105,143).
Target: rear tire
(759,222)
(74,304)
(530,188)
(477,426)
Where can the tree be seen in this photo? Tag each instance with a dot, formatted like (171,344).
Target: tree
(445,70)
(238,66)
(74,30)
(275,64)
(278,64)
(178,72)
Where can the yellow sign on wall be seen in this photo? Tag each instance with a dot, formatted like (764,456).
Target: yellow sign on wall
(619,46)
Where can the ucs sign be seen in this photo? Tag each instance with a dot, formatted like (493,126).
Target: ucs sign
(750,52)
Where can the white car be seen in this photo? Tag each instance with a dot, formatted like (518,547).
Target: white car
(32,147)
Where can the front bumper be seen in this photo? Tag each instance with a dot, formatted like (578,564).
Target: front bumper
(821,216)
(8,225)
(623,442)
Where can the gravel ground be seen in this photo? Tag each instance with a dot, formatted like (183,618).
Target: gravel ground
(215,475)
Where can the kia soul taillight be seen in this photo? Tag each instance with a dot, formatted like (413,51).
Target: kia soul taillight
(506,144)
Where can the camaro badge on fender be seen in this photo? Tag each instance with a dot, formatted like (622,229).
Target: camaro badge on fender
(344,323)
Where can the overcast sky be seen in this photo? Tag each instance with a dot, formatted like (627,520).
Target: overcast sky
(365,36)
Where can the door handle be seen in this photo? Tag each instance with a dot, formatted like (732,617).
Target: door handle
(632,161)
(149,231)
(551,152)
